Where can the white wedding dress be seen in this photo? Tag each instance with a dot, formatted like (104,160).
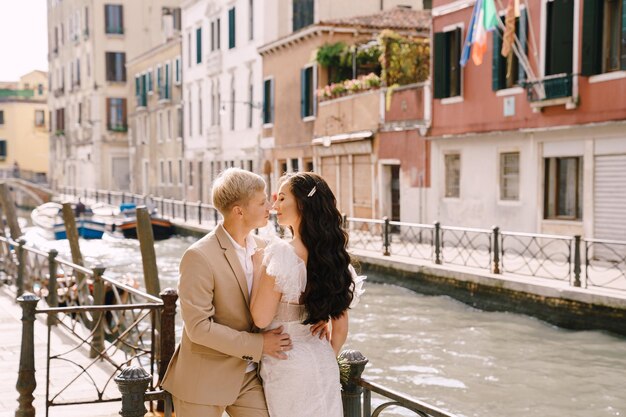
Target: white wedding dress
(307,383)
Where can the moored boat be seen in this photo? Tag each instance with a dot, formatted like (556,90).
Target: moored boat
(49,219)
(161,227)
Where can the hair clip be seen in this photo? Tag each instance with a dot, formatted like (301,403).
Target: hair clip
(313,190)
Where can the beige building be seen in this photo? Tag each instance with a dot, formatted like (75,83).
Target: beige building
(89,43)
(24,123)
(155,113)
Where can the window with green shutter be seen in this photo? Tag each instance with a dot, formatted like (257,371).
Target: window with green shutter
(231,28)
(199,45)
(508,71)
(268,101)
(559,37)
(307,86)
(604,36)
(303,13)
(447,70)
(3,149)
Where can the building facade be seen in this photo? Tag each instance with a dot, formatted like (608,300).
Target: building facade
(533,142)
(89,43)
(24,123)
(337,135)
(155,112)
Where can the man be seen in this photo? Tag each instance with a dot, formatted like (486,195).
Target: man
(214,367)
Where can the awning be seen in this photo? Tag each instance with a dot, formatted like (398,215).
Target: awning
(343,137)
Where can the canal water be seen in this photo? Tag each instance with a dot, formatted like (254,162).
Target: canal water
(438,350)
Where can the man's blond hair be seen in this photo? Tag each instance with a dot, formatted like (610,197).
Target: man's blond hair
(235,186)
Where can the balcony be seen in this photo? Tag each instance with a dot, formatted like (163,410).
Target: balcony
(118,127)
(351,113)
(553,90)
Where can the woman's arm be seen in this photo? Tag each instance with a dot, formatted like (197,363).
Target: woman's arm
(264,298)
(339,332)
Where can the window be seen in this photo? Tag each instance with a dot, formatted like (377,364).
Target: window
(190,174)
(509,176)
(250,19)
(563,188)
(165,92)
(604,36)
(116,114)
(447,70)
(303,13)
(189,50)
(180,172)
(177,71)
(250,99)
(190,115)
(86,32)
(114,18)
(162,172)
(268,101)
(200,128)
(1,117)
(116,66)
(232,102)
(559,37)
(170,172)
(308,81)
(169,124)
(40,118)
(231,28)
(179,120)
(507,71)
(3,149)
(150,81)
(453,175)
(159,126)
(213,36)
(199,45)
(60,121)
(80,113)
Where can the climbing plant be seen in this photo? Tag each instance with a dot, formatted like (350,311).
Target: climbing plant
(404,60)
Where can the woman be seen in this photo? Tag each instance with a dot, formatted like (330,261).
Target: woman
(301,283)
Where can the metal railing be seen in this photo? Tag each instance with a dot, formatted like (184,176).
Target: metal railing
(600,263)
(550,87)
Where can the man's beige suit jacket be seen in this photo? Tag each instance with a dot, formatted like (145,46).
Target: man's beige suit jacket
(219,336)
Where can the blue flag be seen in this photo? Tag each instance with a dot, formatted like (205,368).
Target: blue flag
(469,39)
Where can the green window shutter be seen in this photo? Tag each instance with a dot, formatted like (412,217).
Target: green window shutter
(592,37)
(454,43)
(523,40)
(198,45)
(496,61)
(167,81)
(561,30)
(231,28)
(136,85)
(302,93)
(623,58)
(439,65)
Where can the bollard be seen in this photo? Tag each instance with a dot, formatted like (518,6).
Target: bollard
(26,382)
(132,383)
(168,329)
(577,261)
(21,266)
(97,341)
(437,243)
(496,250)
(386,237)
(351,391)
(52,285)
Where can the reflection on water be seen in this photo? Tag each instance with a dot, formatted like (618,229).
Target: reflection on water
(467,361)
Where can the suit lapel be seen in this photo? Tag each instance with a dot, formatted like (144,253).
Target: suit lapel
(233,260)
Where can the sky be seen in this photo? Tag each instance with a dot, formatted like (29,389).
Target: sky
(23,38)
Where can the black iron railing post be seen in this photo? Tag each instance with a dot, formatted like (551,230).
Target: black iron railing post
(21,266)
(577,260)
(352,391)
(132,383)
(437,243)
(386,251)
(97,341)
(52,285)
(496,250)
(199,212)
(185,210)
(26,382)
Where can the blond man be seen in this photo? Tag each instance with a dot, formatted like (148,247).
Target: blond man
(214,367)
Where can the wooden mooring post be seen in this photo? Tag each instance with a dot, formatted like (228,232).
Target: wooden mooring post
(8,207)
(148,256)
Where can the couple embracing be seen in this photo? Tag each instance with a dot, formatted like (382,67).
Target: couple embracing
(252,310)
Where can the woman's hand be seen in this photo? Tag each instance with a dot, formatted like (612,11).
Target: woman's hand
(257,261)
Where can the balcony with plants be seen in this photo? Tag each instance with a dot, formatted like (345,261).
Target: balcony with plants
(362,81)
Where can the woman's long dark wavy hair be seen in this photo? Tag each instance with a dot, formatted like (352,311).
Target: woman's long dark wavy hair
(329,289)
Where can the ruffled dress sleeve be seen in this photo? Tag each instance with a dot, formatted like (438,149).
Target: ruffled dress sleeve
(358,280)
(289,271)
